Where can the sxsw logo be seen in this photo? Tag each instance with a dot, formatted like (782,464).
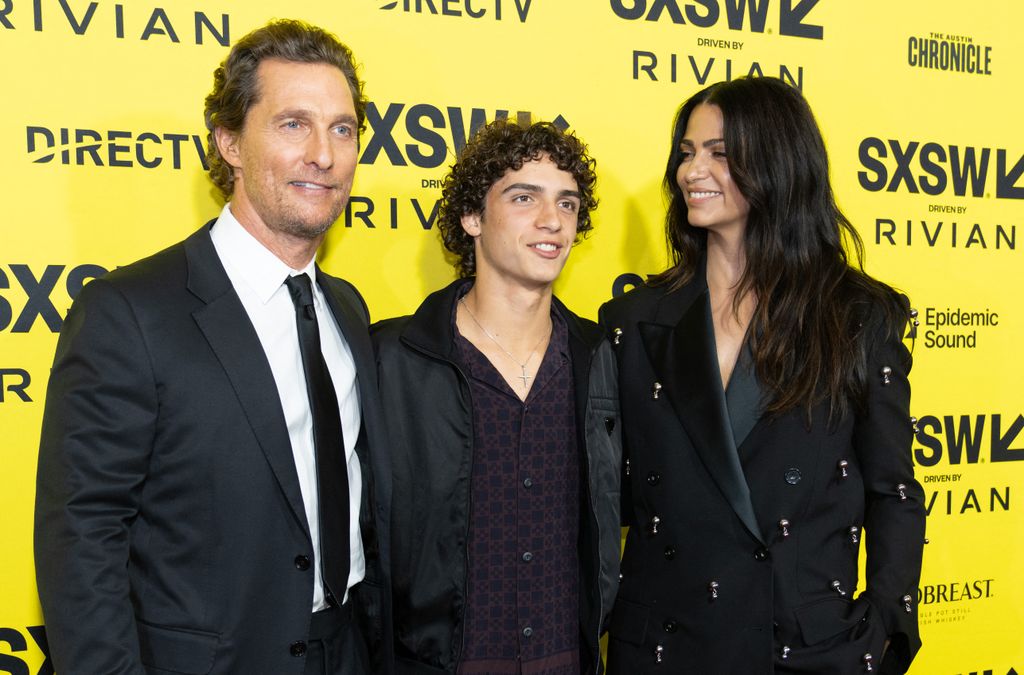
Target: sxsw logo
(497,10)
(39,287)
(432,131)
(934,169)
(960,440)
(738,14)
(18,643)
(113,148)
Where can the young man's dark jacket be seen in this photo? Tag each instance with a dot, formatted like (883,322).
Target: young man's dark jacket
(427,399)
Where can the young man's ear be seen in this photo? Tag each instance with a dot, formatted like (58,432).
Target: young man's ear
(471,224)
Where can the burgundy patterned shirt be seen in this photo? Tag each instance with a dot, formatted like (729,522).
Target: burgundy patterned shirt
(522,610)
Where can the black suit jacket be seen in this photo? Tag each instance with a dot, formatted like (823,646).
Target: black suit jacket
(170,527)
(741,556)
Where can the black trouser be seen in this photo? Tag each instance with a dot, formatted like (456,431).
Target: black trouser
(335,645)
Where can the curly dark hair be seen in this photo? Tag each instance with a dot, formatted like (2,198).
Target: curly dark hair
(236,87)
(496,149)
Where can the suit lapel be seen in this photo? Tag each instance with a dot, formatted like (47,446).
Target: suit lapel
(686,364)
(743,397)
(226,326)
(355,331)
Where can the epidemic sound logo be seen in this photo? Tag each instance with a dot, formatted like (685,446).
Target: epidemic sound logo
(39,289)
(474,9)
(424,124)
(708,13)
(934,169)
(88,147)
(112,20)
(954,53)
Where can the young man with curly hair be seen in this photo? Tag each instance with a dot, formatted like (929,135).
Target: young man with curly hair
(503,420)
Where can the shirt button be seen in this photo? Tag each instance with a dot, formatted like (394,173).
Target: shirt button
(527,482)
(527,632)
(527,557)
(761,554)
(301,563)
(298,648)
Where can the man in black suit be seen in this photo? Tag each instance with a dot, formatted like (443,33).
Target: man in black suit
(212,495)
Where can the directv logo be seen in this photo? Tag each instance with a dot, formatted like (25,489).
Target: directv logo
(498,10)
(88,147)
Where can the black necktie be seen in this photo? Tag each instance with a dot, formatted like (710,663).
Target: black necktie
(331,469)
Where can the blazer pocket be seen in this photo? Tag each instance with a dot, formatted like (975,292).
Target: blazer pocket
(629,622)
(827,618)
(177,650)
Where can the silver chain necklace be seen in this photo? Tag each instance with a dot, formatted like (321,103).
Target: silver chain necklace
(522,366)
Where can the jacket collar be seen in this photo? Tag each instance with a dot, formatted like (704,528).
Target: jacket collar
(224,322)
(680,344)
(430,327)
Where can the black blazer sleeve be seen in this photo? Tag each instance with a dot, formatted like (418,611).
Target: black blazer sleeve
(97,434)
(894,518)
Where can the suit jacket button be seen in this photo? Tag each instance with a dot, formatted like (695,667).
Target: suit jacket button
(653,478)
(670,626)
(670,552)
(761,554)
(298,648)
(301,563)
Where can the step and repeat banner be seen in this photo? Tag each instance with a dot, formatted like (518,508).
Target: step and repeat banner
(102,140)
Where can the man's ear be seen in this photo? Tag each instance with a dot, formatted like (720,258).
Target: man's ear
(227,144)
(471,224)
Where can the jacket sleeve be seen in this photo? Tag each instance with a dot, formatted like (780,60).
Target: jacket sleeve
(97,435)
(608,323)
(894,513)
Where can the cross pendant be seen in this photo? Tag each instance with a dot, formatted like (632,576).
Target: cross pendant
(525,378)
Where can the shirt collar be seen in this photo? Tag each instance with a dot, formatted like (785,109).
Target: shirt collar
(251,262)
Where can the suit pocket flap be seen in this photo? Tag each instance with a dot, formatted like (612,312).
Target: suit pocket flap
(827,618)
(177,650)
(629,622)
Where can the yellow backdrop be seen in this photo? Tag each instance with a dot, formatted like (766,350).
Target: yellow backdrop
(101,135)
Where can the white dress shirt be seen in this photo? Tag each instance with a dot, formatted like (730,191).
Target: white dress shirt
(258,278)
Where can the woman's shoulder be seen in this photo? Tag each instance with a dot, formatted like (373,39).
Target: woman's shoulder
(637,304)
(875,307)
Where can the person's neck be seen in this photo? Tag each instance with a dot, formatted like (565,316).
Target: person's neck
(295,252)
(726,263)
(517,317)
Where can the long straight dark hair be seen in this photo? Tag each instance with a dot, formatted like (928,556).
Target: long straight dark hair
(807,333)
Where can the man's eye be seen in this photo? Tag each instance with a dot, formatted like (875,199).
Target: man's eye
(291,124)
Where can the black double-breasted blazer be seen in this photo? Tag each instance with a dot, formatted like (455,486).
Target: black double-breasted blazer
(170,531)
(744,529)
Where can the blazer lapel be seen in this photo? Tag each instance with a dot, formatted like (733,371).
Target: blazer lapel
(355,331)
(743,397)
(685,362)
(226,326)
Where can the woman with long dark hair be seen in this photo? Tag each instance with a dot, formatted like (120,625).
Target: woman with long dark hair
(765,412)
